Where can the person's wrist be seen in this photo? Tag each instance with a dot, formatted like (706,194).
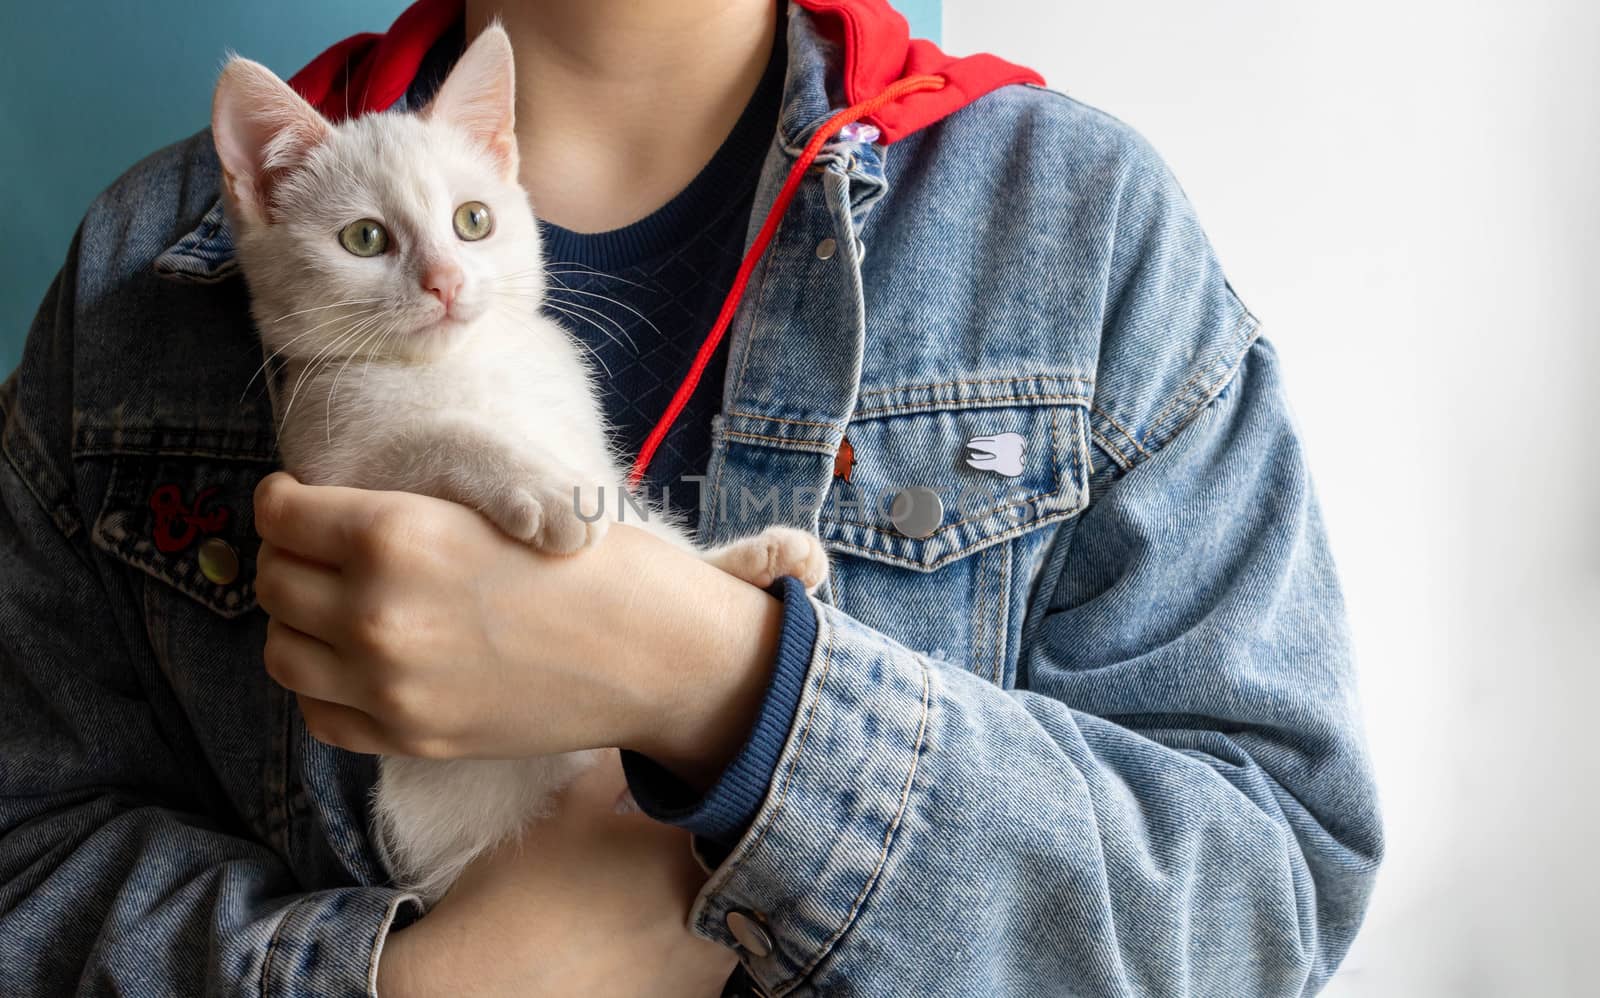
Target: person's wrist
(703,662)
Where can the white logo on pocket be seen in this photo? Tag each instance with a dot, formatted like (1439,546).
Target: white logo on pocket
(1002,453)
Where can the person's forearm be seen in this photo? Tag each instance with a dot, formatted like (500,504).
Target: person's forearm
(701,646)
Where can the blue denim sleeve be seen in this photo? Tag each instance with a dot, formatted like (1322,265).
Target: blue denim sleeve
(113,878)
(1176,802)
(721,814)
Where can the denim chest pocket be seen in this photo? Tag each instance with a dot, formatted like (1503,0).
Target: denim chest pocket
(188,521)
(937,517)
(930,474)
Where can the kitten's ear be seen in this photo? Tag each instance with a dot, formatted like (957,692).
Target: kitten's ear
(479,96)
(262,129)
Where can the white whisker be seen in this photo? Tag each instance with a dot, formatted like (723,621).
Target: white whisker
(374,331)
(311,365)
(297,338)
(564,310)
(621,304)
(320,308)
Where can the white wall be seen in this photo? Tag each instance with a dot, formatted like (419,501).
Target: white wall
(1408,195)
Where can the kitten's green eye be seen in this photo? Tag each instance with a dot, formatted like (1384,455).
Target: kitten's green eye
(473,221)
(364,237)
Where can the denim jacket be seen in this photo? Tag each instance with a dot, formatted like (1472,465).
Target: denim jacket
(1080,717)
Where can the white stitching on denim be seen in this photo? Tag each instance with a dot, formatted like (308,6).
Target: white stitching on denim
(272,945)
(811,446)
(1122,430)
(888,841)
(1002,613)
(878,555)
(978,381)
(975,639)
(781,419)
(1111,449)
(981,402)
(1251,331)
(800,744)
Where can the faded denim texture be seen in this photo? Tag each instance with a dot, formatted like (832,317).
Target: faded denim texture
(1095,734)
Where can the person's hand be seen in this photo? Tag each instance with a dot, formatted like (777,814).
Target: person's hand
(591,902)
(408,625)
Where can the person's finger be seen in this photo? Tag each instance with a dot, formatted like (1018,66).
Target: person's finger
(305,595)
(343,727)
(301,664)
(316,522)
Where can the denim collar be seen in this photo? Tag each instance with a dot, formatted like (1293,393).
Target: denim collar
(812,90)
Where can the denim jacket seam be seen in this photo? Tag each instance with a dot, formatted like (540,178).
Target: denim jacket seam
(958,553)
(781,419)
(383,936)
(1111,449)
(956,382)
(946,528)
(23,452)
(975,621)
(711,488)
(1121,430)
(1191,398)
(789,443)
(991,401)
(1246,332)
(768,817)
(272,948)
(1002,614)
(805,734)
(753,329)
(883,853)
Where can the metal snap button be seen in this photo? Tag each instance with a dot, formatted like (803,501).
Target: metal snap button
(826,248)
(752,936)
(219,562)
(916,512)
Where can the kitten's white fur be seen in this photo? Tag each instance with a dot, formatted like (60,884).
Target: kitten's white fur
(484,401)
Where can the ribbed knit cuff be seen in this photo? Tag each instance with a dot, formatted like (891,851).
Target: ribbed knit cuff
(724,812)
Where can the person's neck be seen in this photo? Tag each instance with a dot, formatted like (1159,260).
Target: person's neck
(621,103)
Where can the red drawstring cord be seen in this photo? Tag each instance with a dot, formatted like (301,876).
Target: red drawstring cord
(769,228)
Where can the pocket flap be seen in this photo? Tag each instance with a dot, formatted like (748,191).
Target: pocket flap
(188,521)
(921,485)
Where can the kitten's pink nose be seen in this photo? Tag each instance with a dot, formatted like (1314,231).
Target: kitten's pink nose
(443,281)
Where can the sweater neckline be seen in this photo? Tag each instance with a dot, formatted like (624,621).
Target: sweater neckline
(728,179)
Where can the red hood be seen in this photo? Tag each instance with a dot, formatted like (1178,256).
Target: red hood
(877,44)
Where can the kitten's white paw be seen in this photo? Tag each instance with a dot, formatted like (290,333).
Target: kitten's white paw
(775,552)
(544,518)
(563,531)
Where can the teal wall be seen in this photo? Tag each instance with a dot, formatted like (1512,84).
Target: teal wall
(92,86)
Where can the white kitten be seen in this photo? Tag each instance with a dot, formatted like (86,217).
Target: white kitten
(394,264)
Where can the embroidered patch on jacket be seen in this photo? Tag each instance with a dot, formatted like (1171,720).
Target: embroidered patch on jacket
(178,525)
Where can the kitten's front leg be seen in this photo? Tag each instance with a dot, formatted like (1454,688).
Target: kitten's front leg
(528,495)
(776,551)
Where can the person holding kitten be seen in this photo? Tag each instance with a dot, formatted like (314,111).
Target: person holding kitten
(1067,709)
